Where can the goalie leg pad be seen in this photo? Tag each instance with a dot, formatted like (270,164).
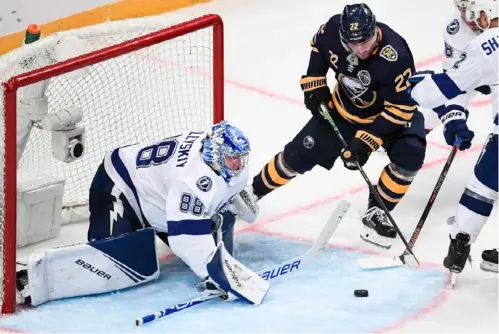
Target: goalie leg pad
(235,278)
(97,267)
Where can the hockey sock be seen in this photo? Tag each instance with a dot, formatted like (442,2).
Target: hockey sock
(393,184)
(275,174)
(472,214)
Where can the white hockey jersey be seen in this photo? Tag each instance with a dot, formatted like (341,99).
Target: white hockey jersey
(457,36)
(173,190)
(476,67)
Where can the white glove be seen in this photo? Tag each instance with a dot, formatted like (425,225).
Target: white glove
(245,205)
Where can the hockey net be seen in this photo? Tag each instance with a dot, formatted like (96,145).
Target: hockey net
(134,80)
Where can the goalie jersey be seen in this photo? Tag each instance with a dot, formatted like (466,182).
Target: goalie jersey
(368,92)
(173,190)
(477,67)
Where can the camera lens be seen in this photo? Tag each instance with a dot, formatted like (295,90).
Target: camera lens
(76,148)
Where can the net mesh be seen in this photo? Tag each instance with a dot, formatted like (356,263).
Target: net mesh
(155,92)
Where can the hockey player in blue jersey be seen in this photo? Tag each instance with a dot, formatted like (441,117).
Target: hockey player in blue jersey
(177,187)
(477,67)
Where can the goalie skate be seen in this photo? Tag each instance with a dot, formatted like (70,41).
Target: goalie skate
(377,229)
(22,291)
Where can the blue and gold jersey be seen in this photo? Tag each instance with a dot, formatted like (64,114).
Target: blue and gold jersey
(370,91)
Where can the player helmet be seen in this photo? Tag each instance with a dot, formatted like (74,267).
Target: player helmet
(226,150)
(357,23)
(472,10)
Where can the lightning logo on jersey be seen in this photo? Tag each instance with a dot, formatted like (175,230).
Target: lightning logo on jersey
(117,210)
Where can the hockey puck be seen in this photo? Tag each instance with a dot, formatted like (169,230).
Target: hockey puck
(361,293)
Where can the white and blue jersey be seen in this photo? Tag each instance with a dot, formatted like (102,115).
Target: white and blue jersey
(456,37)
(477,66)
(172,189)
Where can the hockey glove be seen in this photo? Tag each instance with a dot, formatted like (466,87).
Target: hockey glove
(316,92)
(454,121)
(360,149)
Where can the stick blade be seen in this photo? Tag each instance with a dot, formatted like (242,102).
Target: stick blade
(330,227)
(378,262)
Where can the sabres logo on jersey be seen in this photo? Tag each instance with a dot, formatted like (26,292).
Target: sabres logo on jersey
(389,53)
(453,27)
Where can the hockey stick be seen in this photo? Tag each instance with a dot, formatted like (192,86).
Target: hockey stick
(325,113)
(378,262)
(287,267)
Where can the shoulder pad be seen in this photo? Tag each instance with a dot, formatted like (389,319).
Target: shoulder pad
(453,27)
(326,31)
(389,53)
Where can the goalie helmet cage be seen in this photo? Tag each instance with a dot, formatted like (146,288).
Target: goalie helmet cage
(194,49)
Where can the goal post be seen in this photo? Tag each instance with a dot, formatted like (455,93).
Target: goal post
(166,79)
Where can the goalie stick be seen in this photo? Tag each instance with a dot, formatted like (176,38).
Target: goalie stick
(388,262)
(295,264)
(325,113)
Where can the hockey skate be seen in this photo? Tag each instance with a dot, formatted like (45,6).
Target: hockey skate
(489,262)
(22,291)
(377,229)
(459,250)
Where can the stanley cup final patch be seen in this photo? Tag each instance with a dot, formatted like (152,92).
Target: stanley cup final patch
(204,183)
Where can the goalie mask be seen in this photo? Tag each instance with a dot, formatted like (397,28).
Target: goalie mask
(226,150)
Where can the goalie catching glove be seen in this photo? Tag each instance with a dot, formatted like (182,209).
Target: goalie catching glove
(360,149)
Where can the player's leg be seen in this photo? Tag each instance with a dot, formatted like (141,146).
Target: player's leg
(474,208)
(315,144)
(120,253)
(110,212)
(406,151)
(85,269)
(223,229)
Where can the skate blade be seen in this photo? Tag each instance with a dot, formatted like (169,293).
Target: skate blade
(489,267)
(373,238)
(453,277)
